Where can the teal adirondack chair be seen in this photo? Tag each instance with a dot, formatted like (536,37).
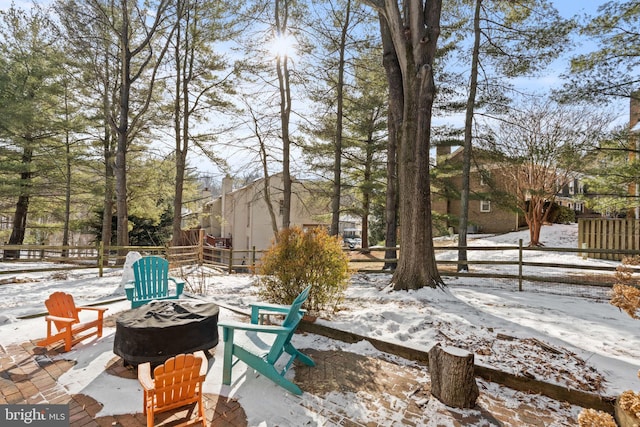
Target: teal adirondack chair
(265,343)
(151,282)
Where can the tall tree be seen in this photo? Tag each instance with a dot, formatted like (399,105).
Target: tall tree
(502,49)
(28,96)
(274,45)
(201,81)
(137,28)
(414,27)
(394,124)
(281,26)
(365,132)
(339,29)
(94,49)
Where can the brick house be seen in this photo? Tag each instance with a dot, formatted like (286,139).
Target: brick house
(487,214)
(491,208)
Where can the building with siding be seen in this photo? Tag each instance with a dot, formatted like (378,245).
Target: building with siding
(241,216)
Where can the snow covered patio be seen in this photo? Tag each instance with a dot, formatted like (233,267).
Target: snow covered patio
(568,337)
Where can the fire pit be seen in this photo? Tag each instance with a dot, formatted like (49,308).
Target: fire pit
(159,330)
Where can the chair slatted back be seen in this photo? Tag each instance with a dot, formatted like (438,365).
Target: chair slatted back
(151,277)
(291,320)
(62,305)
(177,380)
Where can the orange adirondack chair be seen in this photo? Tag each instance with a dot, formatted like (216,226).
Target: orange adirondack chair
(63,313)
(176,383)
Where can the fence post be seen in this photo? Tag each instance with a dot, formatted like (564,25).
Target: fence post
(520,265)
(201,247)
(230,259)
(253,258)
(100,257)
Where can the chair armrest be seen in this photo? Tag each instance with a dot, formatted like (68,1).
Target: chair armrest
(68,320)
(280,308)
(128,289)
(179,285)
(204,367)
(144,376)
(254,328)
(264,308)
(93,308)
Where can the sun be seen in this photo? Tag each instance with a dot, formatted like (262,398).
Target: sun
(284,46)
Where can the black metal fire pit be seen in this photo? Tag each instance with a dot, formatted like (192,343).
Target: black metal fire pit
(159,330)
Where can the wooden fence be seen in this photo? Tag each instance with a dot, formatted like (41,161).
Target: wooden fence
(616,236)
(519,266)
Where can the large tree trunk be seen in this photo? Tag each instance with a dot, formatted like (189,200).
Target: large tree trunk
(22,206)
(415,47)
(416,266)
(396,106)
(452,377)
(19,223)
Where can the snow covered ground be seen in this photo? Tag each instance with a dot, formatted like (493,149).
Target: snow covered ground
(579,341)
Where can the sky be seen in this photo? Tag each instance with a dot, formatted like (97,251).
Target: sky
(595,343)
(239,158)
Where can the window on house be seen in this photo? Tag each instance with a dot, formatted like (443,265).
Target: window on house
(281,207)
(484,177)
(485,206)
(248,214)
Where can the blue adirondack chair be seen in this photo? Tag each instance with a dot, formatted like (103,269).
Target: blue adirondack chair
(265,344)
(151,281)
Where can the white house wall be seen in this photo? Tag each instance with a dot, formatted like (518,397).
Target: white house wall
(246,216)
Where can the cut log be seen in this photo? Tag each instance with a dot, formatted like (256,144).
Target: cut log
(452,376)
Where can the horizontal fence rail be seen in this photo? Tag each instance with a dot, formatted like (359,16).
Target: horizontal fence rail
(520,263)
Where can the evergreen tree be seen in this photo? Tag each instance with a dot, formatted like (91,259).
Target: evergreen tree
(29,90)
(366,131)
(201,83)
(611,71)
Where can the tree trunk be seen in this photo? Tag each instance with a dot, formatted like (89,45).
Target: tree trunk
(414,31)
(282,69)
(468,144)
(452,376)
(416,266)
(107,216)
(67,184)
(22,206)
(337,167)
(107,152)
(396,106)
(109,188)
(122,132)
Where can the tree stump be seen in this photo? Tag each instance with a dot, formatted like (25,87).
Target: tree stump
(452,376)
